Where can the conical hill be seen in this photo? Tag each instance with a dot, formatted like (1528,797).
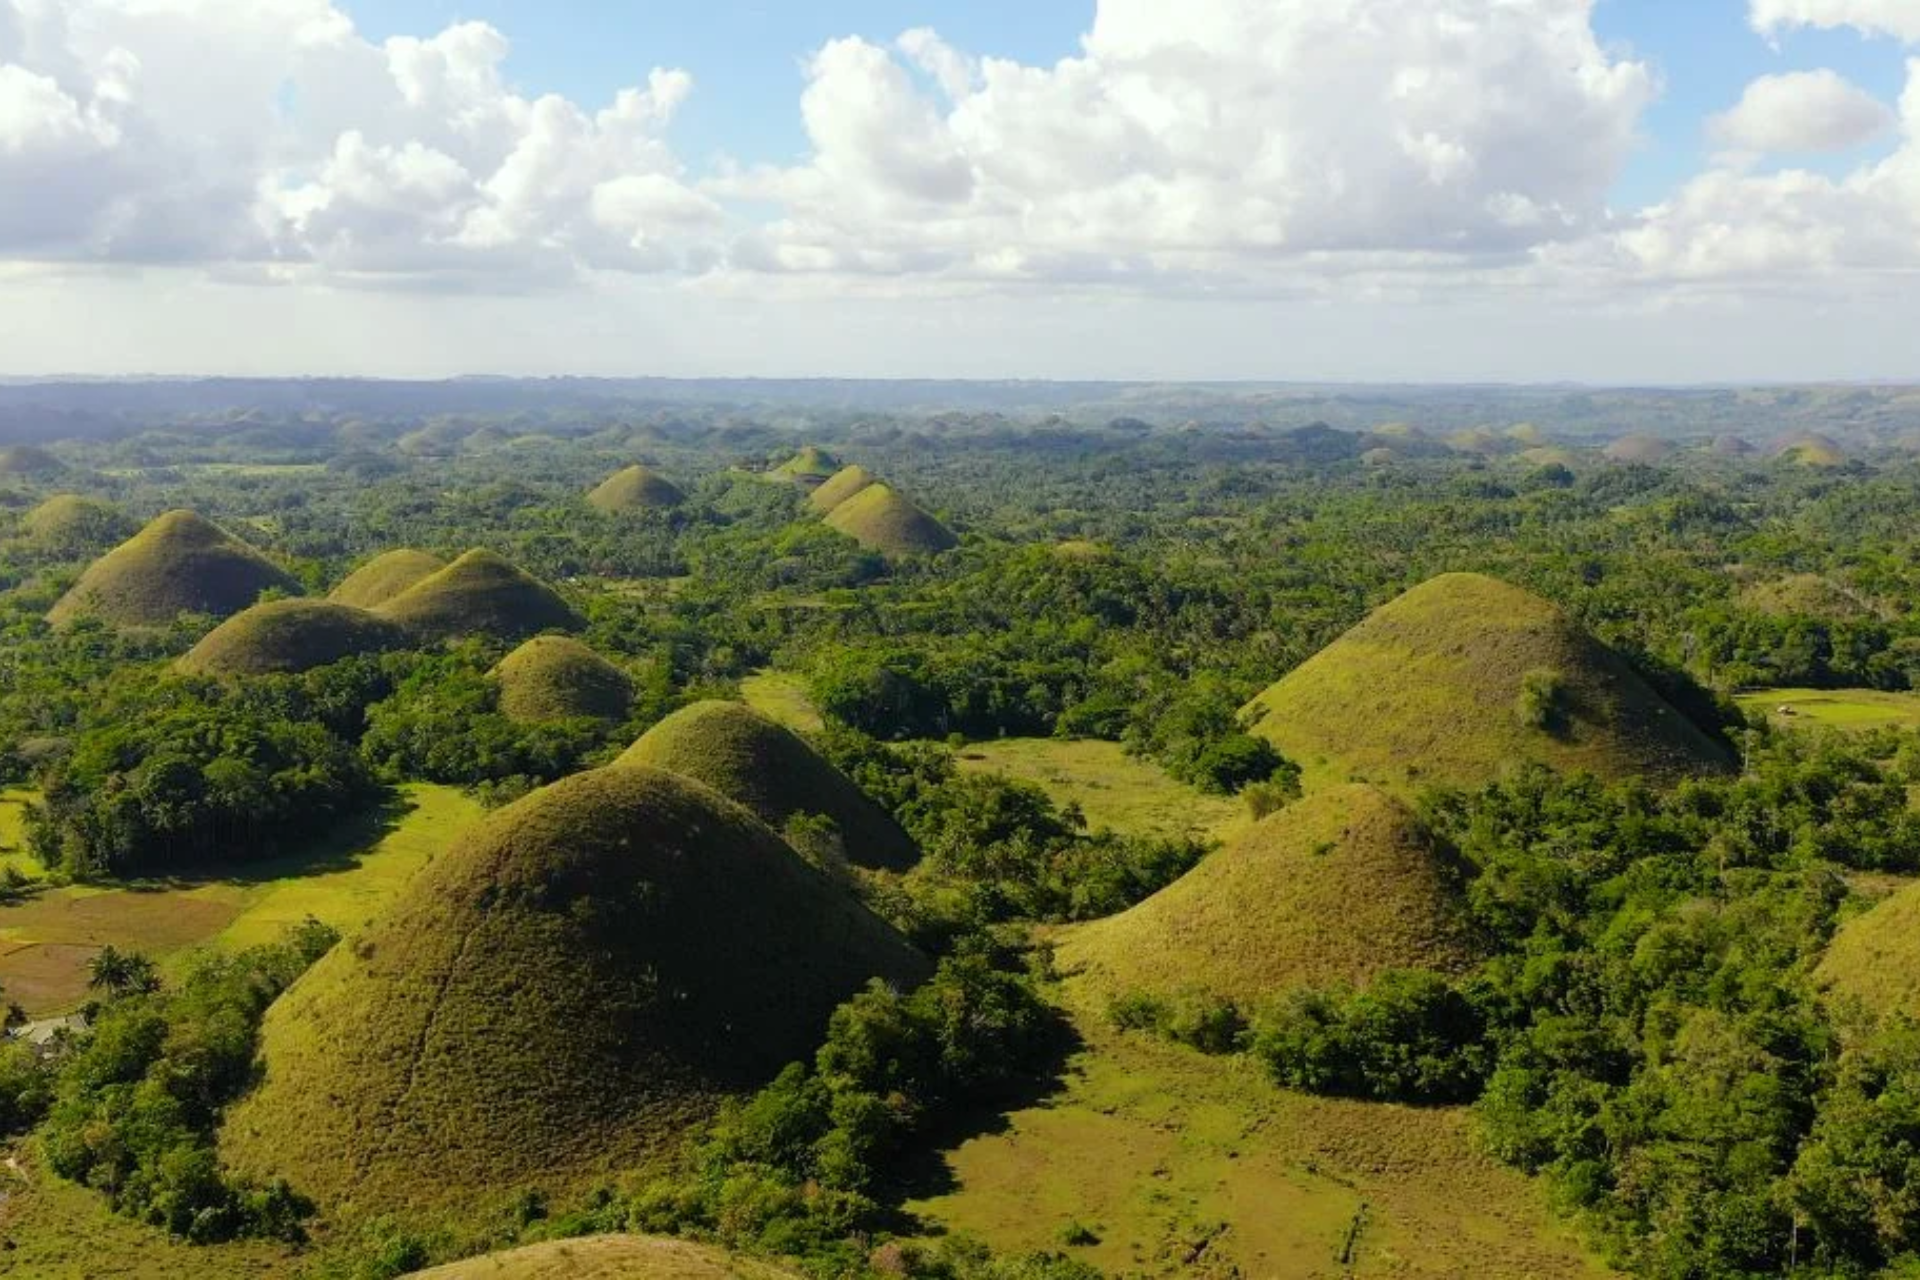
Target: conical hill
(480,594)
(288,636)
(558,678)
(879,519)
(180,563)
(384,577)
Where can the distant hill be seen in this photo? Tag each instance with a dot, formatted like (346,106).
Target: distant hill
(564,994)
(636,488)
(558,678)
(29,461)
(70,524)
(180,563)
(290,635)
(843,484)
(811,466)
(610,1258)
(1805,595)
(755,762)
(1641,449)
(1730,446)
(480,594)
(1332,890)
(1429,689)
(384,577)
(1810,449)
(879,519)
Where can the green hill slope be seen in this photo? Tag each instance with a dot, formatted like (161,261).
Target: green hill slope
(879,519)
(1331,890)
(384,577)
(636,488)
(70,523)
(480,594)
(563,994)
(1874,958)
(810,466)
(558,678)
(755,762)
(180,563)
(1429,689)
(843,484)
(290,635)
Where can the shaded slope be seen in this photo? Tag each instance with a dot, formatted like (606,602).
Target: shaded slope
(180,563)
(558,678)
(480,594)
(843,484)
(581,979)
(610,1258)
(68,522)
(636,488)
(384,577)
(879,519)
(290,635)
(757,763)
(1334,889)
(1428,689)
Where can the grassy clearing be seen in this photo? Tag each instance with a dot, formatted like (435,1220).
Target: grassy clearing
(47,941)
(609,1258)
(1177,1164)
(1834,708)
(781,696)
(1115,790)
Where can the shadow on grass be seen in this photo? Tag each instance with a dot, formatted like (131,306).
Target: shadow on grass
(339,849)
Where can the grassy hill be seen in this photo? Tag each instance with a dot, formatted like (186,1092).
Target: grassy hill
(180,563)
(1429,689)
(558,678)
(29,461)
(755,762)
(1805,595)
(1874,958)
(1811,449)
(480,594)
(384,577)
(581,978)
(290,635)
(1730,446)
(1641,449)
(879,519)
(610,1258)
(69,523)
(636,488)
(843,484)
(1331,890)
(811,466)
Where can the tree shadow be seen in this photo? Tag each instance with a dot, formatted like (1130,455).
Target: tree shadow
(339,849)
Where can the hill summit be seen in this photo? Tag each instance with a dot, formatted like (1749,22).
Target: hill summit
(558,678)
(1464,676)
(180,563)
(840,486)
(584,977)
(288,636)
(810,466)
(384,577)
(879,519)
(1332,890)
(636,488)
(480,594)
(755,762)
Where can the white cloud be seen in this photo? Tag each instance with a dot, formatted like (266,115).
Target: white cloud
(1897,18)
(1802,111)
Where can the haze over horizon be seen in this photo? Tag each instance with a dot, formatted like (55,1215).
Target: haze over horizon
(1620,192)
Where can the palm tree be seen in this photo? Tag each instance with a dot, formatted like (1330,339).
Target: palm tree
(121,974)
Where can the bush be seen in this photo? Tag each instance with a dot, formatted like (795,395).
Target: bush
(1410,1037)
(1196,1019)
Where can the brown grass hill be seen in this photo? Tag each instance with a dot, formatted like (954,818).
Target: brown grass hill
(1811,450)
(758,763)
(1332,890)
(879,519)
(1463,677)
(1729,446)
(1550,456)
(289,636)
(480,594)
(1874,958)
(811,467)
(69,523)
(558,678)
(636,488)
(384,577)
(1639,449)
(29,461)
(180,563)
(843,484)
(610,1258)
(1805,595)
(582,979)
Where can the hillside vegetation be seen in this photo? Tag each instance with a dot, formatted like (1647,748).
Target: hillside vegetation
(1335,889)
(758,763)
(1462,679)
(290,636)
(558,678)
(581,979)
(480,594)
(384,577)
(879,519)
(609,1258)
(180,563)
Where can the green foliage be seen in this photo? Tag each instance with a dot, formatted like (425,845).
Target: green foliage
(1411,1036)
(1197,1019)
(1544,702)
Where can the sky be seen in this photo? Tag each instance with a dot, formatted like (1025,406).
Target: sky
(1613,191)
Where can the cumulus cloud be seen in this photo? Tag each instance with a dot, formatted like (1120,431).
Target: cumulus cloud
(1802,111)
(1897,18)
(1218,137)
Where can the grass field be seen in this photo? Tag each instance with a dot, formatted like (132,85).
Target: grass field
(1834,708)
(47,941)
(1113,788)
(13,833)
(781,696)
(1156,1161)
